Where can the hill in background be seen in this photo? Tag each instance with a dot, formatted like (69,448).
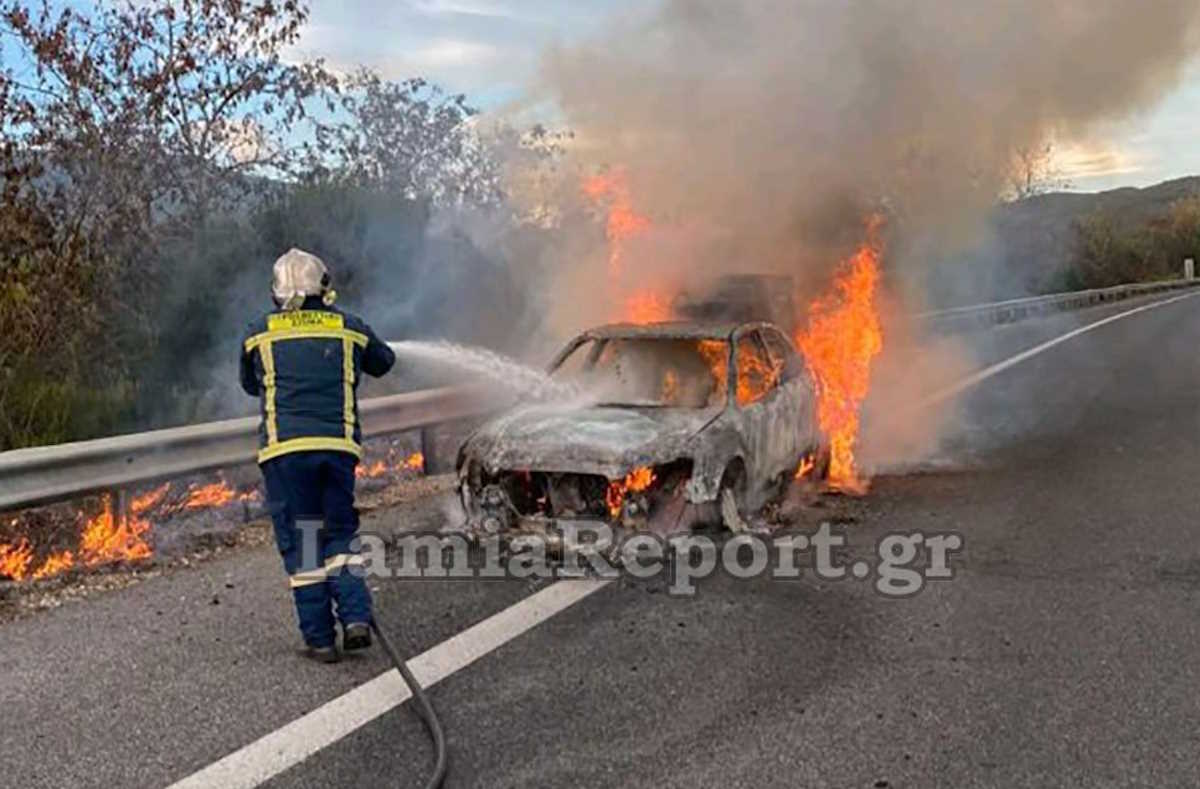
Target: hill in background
(1068,241)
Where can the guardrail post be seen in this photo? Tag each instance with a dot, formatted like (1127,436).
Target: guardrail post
(1189,268)
(120,505)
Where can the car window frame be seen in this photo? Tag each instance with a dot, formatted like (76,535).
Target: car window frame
(754,335)
(792,365)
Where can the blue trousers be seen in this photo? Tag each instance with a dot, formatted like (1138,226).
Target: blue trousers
(311,499)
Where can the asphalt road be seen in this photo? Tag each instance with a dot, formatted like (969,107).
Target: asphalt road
(1064,653)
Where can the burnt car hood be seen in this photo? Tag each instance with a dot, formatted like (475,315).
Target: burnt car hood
(604,440)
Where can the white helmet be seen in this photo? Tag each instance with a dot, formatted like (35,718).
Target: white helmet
(298,275)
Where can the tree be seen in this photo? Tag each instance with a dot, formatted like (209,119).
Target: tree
(408,138)
(1183,232)
(170,103)
(122,129)
(1034,171)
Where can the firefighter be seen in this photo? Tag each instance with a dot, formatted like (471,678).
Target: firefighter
(304,360)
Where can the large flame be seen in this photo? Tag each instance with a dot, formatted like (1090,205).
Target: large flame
(610,192)
(841,341)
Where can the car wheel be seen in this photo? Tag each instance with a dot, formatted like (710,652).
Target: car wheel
(733,500)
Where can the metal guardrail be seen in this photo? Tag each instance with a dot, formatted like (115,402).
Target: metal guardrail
(43,475)
(983,315)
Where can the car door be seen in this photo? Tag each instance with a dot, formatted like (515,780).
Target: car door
(768,412)
(798,383)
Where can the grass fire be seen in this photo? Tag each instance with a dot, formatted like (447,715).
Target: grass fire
(106,535)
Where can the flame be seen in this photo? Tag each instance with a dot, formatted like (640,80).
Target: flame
(756,375)
(414,462)
(107,538)
(148,501)
(716,356)
(58,563)
(200,497)
(842,339)
(636,481)
(670,387)
(15,559)
(611,189)
(377,469)
(646,306)
(806,467)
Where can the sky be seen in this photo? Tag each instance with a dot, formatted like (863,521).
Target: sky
(488,49)
(485,48)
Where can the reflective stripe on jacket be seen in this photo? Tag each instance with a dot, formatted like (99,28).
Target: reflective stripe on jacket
(305,365)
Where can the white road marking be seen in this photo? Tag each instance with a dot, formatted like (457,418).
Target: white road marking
(269,756)
(988,372)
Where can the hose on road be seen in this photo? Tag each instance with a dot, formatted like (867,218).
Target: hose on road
(428,714)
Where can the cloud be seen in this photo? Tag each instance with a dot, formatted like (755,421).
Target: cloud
(480,8)
(477,46)
(1097,160)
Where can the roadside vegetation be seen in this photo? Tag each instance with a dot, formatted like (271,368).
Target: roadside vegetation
(157,156)
(1109,251)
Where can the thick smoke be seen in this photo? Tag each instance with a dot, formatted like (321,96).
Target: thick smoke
(758,134)
(760,130)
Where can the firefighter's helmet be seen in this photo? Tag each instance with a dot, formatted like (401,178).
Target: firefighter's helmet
(298,275)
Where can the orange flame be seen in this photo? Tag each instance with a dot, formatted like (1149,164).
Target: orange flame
(201,497)
(414,462)
(716,356)
(107,538)
(611,191)
(670,387)
(646,306)
(15,560)
(842,339)
(806,467)
(756,375)
(636,481)
(377,469)
(58,563)
(148,501)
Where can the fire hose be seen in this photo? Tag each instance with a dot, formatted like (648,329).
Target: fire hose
(428,714)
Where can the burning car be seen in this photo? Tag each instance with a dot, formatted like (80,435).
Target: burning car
(674,424)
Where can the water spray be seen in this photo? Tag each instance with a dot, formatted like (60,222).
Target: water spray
(505,372)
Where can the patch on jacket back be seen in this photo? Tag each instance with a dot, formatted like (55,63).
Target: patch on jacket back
(304,319)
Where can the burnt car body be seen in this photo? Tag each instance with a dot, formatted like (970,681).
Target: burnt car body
(677,422)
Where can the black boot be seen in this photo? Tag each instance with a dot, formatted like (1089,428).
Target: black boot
(322,654)
(357,636)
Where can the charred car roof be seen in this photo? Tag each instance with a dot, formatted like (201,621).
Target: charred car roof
(678,330)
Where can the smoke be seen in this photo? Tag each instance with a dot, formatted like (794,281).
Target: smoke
(760,131)
(757,135)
